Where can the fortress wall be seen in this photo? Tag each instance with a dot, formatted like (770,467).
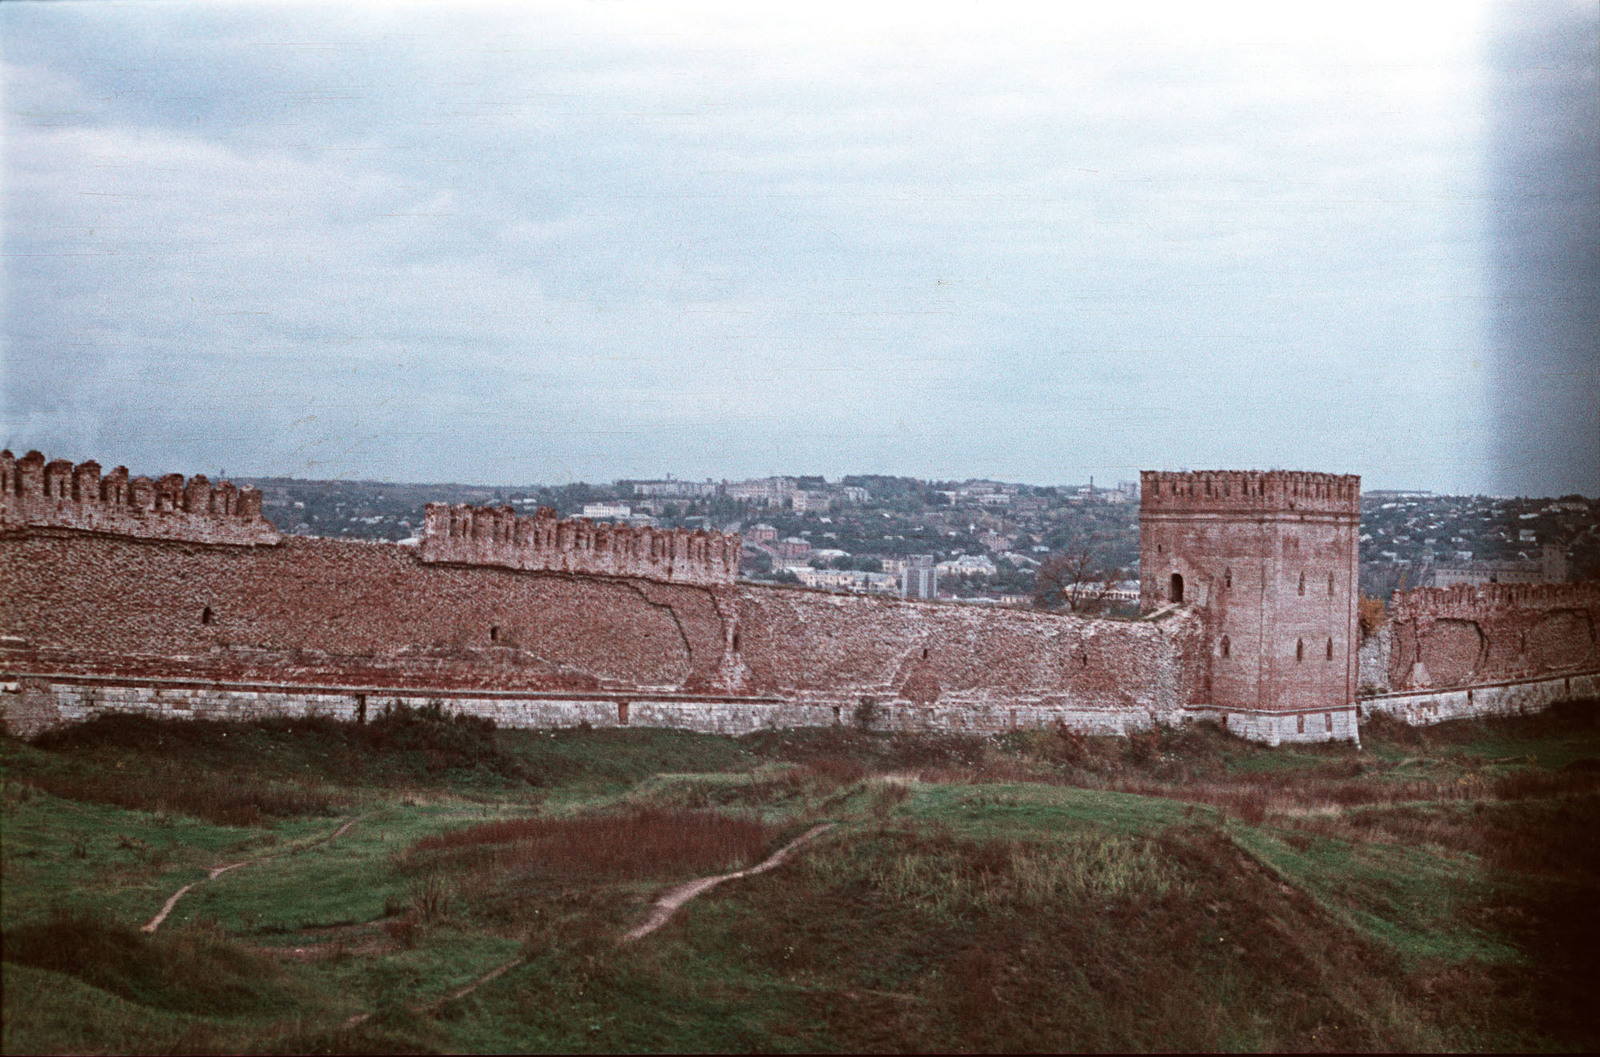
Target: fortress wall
(316,610)
(1470,635)
(498,536)
(57,493)
(1426,707)
(310,613)
(840,648)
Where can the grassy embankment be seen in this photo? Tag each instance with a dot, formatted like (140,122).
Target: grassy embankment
(1435,890)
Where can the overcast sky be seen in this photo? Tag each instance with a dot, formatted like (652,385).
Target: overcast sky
(557,242)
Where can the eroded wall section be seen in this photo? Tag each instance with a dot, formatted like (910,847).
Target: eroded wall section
(319,613)
(1491,633)
(34,492)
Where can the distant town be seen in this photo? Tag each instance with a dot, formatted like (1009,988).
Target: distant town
(977,542)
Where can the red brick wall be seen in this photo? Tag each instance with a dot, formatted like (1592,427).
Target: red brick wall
(497,536)
(34,492)
(318,611)
(1271,560)
(805,641)
(1463,635)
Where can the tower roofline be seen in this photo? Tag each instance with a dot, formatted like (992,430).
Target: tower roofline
(1249,491)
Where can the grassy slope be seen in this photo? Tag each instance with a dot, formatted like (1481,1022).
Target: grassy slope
(1434,890)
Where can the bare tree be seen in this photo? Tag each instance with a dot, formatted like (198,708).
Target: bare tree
(1075,581)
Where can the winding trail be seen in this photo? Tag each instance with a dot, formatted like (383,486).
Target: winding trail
(217,871)
(669,901)
(666,905)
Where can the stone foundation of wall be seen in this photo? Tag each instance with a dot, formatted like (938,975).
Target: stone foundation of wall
(1280,728)
(1503,699)
(31,705)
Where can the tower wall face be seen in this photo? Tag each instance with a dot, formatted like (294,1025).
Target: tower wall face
(1270,559)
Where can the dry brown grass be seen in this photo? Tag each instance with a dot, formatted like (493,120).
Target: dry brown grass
(233,800)
(648,842)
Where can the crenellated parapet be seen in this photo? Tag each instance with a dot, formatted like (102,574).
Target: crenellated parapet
(499,536)
(1486,601)
(1249,491)
(57,494)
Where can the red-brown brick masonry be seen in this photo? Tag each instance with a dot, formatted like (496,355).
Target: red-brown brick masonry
(87,598)
(1475,634)
(161,583)
(1272,559)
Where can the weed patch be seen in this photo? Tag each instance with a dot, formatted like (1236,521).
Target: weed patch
(190,970)
(227,800)
(643,843)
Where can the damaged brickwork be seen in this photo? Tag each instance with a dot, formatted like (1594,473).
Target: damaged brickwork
(178,598)
(498,536)
(1465,635)
(543,609)
(57,494)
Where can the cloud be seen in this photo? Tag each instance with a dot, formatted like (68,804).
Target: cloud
(471,243)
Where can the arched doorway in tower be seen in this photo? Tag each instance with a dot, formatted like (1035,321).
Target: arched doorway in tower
(1176,594)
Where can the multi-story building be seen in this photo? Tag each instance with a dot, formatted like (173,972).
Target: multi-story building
(1551,568)
(919,579)
(766,491)
(670,489)
(793,549)
(968,565)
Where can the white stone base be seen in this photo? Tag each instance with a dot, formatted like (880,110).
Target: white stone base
(1278,728)
(1424,707)
(30,705)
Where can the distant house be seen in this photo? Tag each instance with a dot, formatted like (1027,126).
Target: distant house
(793,549)
(1551,568)
(969,565)
(604,511)
(994,541)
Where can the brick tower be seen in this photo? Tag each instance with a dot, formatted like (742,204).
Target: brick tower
(1270,558)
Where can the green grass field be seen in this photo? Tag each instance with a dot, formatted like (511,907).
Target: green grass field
(1039,891)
